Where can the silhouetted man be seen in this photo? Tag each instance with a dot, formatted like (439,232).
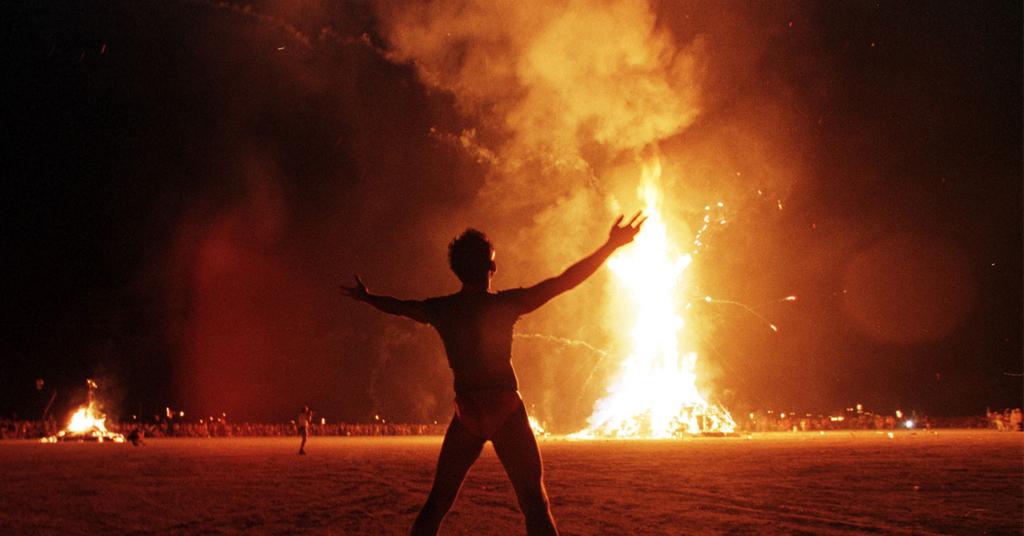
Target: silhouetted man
(476,328)
(303,423)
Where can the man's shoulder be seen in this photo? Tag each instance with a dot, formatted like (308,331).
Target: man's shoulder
(459,300)
(518,295)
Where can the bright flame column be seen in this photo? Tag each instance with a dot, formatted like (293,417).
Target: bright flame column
(654,393)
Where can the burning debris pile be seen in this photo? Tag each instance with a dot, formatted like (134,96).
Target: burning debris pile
(86,424)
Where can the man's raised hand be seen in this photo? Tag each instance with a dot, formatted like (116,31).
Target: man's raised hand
(357,292)
(622,234)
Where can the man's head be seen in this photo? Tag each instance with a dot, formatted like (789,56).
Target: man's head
(471,257)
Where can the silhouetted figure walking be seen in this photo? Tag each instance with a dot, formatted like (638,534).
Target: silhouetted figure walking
(303,423)
(476,328)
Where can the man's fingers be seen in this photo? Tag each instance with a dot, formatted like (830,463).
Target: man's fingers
(634,218)
(617,221)
(641,222)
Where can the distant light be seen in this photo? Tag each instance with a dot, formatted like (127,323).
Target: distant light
(909,424)
(890,434)
(789,298)
(860,408)
(775,329)
(181,413)
(323,420)
(707,299)
(899,414)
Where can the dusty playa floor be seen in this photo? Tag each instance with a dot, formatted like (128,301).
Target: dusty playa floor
(920,483)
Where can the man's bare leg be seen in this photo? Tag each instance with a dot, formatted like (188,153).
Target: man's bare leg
(458,453)
(517,449)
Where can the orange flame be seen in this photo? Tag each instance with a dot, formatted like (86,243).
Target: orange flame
(86,423)
(654,394)
(535,425)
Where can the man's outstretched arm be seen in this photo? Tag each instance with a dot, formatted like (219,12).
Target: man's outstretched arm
(408,308)
(619,235)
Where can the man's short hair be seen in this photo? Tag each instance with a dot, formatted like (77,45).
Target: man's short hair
(470,256)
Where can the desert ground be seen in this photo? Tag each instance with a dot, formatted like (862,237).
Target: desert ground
(948,482)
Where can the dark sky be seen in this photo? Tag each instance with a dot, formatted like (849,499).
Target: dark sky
(185,184)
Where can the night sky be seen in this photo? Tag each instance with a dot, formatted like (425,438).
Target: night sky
(185,184)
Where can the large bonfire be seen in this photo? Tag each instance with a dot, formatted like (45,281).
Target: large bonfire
(654,393)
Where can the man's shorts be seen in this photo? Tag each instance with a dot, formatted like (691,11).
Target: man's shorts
(482,413)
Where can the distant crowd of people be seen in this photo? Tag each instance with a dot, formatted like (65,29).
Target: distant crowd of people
(1008,420)
(851,420)
(21,429)
(251,429)
(25,429)
(762,421)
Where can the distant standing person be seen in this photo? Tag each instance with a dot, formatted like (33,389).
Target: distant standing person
(475,325)
(303,423)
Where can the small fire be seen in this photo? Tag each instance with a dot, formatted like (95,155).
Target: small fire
(86,424)
(85,420)
(654,394)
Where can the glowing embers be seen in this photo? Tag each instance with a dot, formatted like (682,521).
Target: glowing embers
(538,429)
(86,424)
(654,393)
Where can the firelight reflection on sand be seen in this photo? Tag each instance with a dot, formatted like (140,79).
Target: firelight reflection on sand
(654,394)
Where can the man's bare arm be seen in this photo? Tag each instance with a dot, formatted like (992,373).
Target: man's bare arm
(408,308)
(619,235)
